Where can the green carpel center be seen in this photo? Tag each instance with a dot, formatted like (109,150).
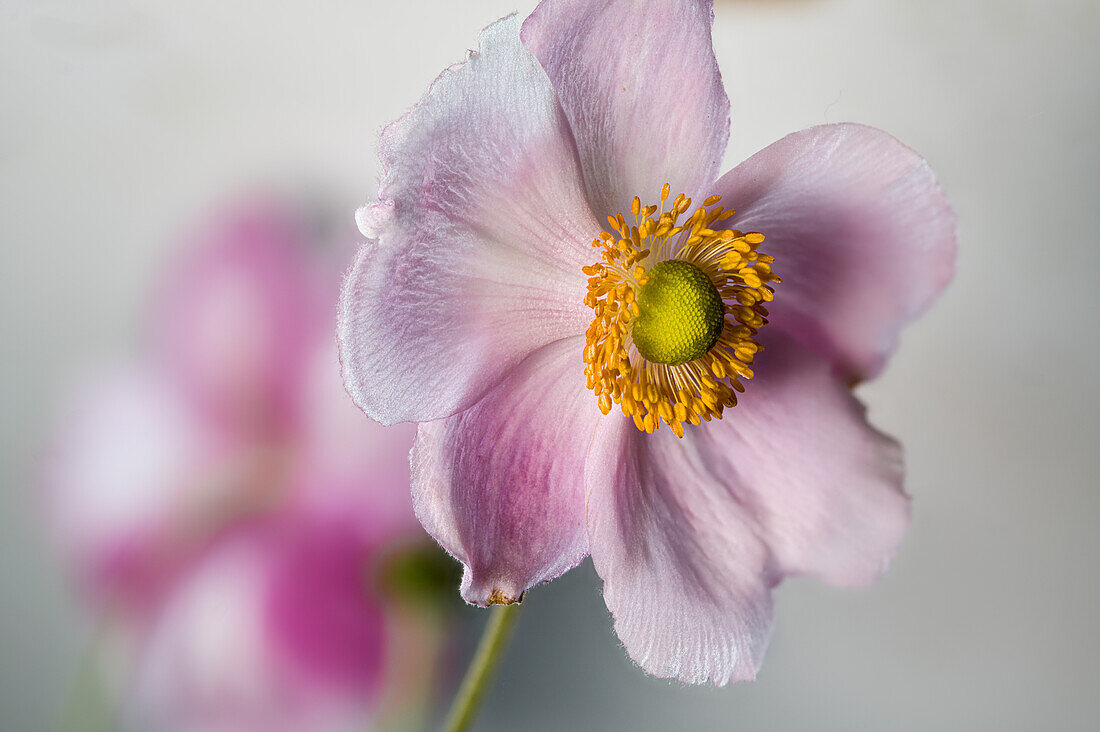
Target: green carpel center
(681,314)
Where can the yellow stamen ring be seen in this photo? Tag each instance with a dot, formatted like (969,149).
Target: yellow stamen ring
(677,308)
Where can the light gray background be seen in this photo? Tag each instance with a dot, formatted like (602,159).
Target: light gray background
(122,120)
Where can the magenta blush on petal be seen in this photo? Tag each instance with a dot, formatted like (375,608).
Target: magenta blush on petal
(487,487)
(320,610)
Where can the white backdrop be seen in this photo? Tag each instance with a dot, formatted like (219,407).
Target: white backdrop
(122,120)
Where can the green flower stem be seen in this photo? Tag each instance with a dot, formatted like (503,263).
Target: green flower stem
(87,707)
(468,700)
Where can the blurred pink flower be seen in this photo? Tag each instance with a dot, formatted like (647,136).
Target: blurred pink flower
(225,498)
(513,269)
(279,628)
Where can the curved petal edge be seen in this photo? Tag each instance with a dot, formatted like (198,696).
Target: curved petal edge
(500,485)
(863,236)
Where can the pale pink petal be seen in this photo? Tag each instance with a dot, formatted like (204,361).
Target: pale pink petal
(686,575)
(238,311)
(501,485)
(689,535)
(480,237)
(641,87)
(822,486)
(862,234)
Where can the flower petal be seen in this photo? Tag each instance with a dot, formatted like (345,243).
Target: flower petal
(641,87)
(797,453)
(862,234)
(685,575)
(690,535)
(480,239)
(500,485)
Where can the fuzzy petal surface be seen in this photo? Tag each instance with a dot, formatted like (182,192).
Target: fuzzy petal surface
(862,234)
(501,485)
(642,90)
(686,575)
(479,239)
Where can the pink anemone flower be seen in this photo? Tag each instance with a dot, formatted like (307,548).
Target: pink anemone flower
(548,243)
(227,506)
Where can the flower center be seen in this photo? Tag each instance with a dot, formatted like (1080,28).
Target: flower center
(682,314)
(677,309)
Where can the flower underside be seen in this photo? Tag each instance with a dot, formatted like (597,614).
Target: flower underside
(678,306)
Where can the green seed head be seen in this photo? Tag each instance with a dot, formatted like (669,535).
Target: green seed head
(681,314)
